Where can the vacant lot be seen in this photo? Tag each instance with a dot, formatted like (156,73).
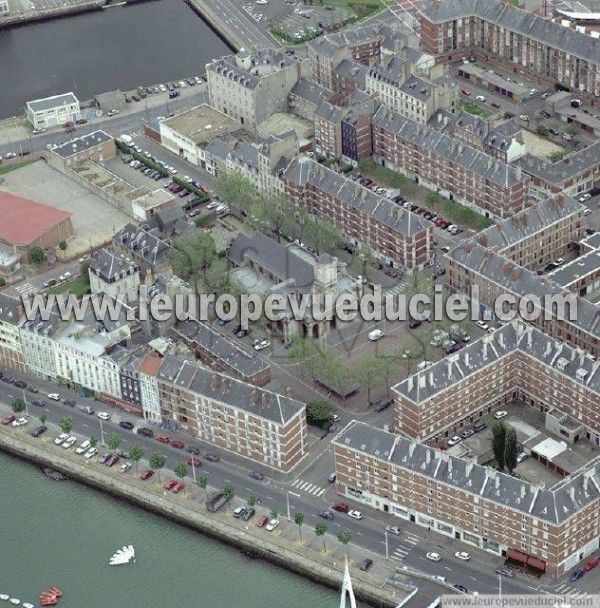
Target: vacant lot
(94,220)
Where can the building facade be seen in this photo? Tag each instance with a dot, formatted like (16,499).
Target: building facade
(115,275)
(11,350)
(53,111)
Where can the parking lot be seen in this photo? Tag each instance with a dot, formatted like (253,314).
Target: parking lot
(306,22)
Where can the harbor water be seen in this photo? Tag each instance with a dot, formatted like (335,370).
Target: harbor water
(143,43)
(62,534)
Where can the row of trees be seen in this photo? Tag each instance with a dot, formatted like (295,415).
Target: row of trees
(505,446)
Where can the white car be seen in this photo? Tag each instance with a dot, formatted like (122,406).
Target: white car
(86,445)
(522,456)
(500,414)
(462,555)
(585,197)
(69,442)
(54,396)
(112,112)
(393,530)
(172,171)
(91,452)
(67,275)
(482,325)
(434,557)
(272,525)
(480,98)
(558,262)
(212,205)
(125,467)
(454,440)
(162,87)
(20,421)
(38,131)
(62,437)
(355,514)
(104,415)
(262,345)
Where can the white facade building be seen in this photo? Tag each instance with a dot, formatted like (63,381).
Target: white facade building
(38,348)
(53,111)
(4,8)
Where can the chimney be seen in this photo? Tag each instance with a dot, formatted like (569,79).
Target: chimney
(422,381)
(523,490)
(288,392)
(224,386)
(501,339)
(581,356)
(529,331)
(497,481)
(214,382)
(411,448)
(450,461)
(519,173)
(254,396)
(411,384)
(467,359)
(469,468)
(449,363)
(428,457)
(430,378)
(572,493)
(485,348)
(264,400)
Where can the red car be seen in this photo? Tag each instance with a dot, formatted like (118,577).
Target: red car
(146,474)
(8,420)
(465,92)
(163,439)
(341,507)
(194,461)
(178,487)
(177,444)
(263,521)
(495,105)
(170,484)
(591,564)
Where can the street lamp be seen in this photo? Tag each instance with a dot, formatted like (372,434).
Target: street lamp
(289,513)
(387,551)
(25,400)
(193,469)
(101,432)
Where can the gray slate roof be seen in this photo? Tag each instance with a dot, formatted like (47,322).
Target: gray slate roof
(109,265)
(329,44)
(229,391)
(448,148)
(311,91)
(552,506)
(41,105)
(10,309)
(516,20)
(570,273)
(71,148)
(137,240)
(530,221)
(304,170)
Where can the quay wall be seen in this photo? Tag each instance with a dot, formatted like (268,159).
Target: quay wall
(185,511)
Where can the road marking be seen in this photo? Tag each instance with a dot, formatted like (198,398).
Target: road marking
(448,568)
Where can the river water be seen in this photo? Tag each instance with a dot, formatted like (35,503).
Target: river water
(117,48)
(62,534)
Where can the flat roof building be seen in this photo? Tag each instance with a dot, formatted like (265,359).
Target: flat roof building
(53,111)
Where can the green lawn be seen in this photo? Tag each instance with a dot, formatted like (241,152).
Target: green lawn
(473,108)
(78,286)
(8,168)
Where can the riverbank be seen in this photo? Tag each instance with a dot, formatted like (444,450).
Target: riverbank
(39,16)
(220,526)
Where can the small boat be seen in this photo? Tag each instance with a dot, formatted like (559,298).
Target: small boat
(49,601)
(3,596)
(55,591)
(123,556)
(28,605)
(14,600)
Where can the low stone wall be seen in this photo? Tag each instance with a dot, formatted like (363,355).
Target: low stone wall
(212,524)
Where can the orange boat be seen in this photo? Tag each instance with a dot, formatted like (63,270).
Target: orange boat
(48,600)
(47,594)
(55,591)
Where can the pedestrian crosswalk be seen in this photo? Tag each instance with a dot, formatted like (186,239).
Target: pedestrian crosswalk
(407,544)
(26,289)
(571,591)
(397,289)
(308,488)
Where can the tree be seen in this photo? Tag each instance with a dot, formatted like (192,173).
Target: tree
(113,441)
(251,500)
(542,130)
(157,462)
(299,520)
(320,530)
(511,450)
(203,483)
(43,418)
(572,129)
(18,405)
(237,190)
(499,443)
(2,282)
(37,255)
(94,443)
(335,374)
(508,115)
(324,236)
(135,455)
(228,493)
(557,156)
(273,513)
(344,536)
(181,469)
(66,424)
(303,353)
(319,411)
(193,254)
(368,373)
(62,245)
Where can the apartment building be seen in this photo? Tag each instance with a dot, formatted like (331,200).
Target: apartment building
(539,234)
(264,427)
(219,353)
(37,340)
(413,96)
(356,135)
(581,275)
(395,235)
(11,351)
(537,47)
(328,130)
(147,247)
(115,275)
(251,86)
(98,147)
(149,395)
(53,111)
(548,530)
(516,363)
(306,97)
(471,266)
(451,168)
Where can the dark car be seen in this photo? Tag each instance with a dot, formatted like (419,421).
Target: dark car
(192,450)
(575,576)
(20,384)
(326,515)
(174,94)
(33,389)
(366,564)
(124,424)
(413,323)
(248,513)
(39,431)
(145,432)
(383,404)
(257,475)
(38,403)
(8,379)
(461,588)
(122,454)
(212,457)
(83,121)
(479,425)
(105,458)
(69,402)
(467,433)
(135,98)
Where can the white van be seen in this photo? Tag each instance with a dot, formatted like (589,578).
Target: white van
(376,334)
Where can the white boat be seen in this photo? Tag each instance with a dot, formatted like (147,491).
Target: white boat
(28,605)
(123,556)
(3,596)
(14,600)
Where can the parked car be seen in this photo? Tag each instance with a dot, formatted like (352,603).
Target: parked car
(467,433)
(8,420)
(125,467)
(355,514)
(257,475)
(39,431)
(272,525)
(248,513)
(212,457)
(104,415)
(522,456)
(145,432)
(575,576)
(454,440)
(341,507)
(125,424)
(22,421)
(90,453)
(463,555)
(591,564)
(104,458)
(480,98)
(54,396)
(500,414)
(479,425)
(327,514)
(366,564)
(163,439)
(393,530)
(432,556)
(177,444)
(383,404)
(194,461)
(461,588)
(263,521)
(146,474)
(69,402)
(83,447)
(239,511)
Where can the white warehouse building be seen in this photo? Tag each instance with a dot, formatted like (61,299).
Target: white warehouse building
(53,111)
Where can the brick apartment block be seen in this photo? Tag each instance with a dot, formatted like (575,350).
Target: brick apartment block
(397,234)
(549,529)
(537,47)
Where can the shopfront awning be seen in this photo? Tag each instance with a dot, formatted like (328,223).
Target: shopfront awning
(538,564)
(517,556)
